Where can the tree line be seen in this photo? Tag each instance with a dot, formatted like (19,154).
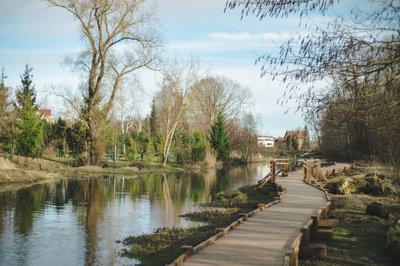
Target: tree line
(203,124)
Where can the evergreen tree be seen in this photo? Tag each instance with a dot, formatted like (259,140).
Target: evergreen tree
(199,147)
(76,139)
(29,137)
(6,120)
(29,131)
(58,135)
(27,89)
(306,143)
(219,138)
(152,118)
(3,95)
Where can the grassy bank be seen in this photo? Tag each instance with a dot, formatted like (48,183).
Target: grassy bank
(361,239)
(33,170)
(163,245)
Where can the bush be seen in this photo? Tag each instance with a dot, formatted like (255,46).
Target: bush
(370,184)
(230,198)
(376,186)
(393,243)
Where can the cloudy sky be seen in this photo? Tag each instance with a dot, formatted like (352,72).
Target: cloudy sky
(32,33)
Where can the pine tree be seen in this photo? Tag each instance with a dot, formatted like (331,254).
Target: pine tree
(75,137)
(30,131)
(27,89)
(29,137)
(219,138)
(5,113)
(152,118)
(3,94)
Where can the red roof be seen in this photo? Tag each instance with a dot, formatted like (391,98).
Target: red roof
(45,112)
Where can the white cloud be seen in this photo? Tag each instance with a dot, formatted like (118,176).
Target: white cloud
(250,37)
(234,41)
(189,7)
(35,18)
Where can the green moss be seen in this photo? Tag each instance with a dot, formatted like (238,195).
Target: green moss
(393,243)
(231,198)
(216,218)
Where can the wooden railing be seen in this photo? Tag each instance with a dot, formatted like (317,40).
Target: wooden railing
(312,169)
(276,167)
(313,172)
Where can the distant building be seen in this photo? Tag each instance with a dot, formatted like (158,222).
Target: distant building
(45,113)
(266,141)
(280,143)
(300,135)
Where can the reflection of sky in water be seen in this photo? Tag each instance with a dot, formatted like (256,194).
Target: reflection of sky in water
(77,222)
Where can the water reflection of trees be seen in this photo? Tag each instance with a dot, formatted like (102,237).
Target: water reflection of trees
(87,198)
(29,203)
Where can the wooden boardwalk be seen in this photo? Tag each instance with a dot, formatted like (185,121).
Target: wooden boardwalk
(264,238)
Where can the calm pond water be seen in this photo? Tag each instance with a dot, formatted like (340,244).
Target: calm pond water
(78,221)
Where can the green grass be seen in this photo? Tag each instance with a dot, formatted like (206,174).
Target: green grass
(359,239)
(17,171)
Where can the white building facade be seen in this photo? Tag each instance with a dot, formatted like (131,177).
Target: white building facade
(266,141)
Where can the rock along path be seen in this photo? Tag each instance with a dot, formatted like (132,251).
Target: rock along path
(264,238)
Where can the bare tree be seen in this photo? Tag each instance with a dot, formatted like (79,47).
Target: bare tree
(279,8)
(170,100)
(127,109)
(120,38)
(362,41)
(243,136)
(211,96)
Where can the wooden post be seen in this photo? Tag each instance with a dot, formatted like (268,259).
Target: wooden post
(273,173)
(318,169)
(293,258)
(285,168)
(315,224)
(308,177)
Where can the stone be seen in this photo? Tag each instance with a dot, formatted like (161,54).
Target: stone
(377,209)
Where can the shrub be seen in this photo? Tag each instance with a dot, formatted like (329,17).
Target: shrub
(374,185)
(229,198)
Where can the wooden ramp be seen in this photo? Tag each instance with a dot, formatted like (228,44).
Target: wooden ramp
(264,238)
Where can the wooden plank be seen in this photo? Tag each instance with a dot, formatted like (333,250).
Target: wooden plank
(328,223)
